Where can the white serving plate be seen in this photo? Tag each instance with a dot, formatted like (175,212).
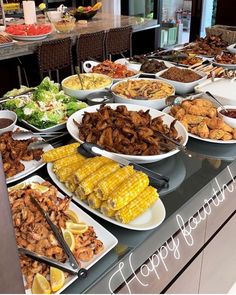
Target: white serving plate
(167,111)
(49,129)
(167,119)
(180,87)
(150,219)
(152,103)
(224,89)
(108,239)
(231,48)
(137,66)
(29,38)
(89,64)
(30,166)
(226,66)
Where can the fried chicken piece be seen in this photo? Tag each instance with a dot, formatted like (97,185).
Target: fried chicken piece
(215,123)
(192,119)
(202,111)
(106,137)
(201,102)
(216,134)
(227,136)
(180,114)
(145,132)
(227,128)
(203,130)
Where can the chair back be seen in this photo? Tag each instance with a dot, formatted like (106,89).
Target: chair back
(91,45)
(118,40)
(54,55)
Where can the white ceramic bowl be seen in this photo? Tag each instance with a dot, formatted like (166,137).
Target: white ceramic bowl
(89,64)
(232,48)
(167,119)
(223,89)
(54,16)
(5,114)
(228,120)
(152,103)
(82,94)
(180,87)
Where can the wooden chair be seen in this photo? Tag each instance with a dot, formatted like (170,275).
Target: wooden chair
(91,45)
(118,41)
(55,55)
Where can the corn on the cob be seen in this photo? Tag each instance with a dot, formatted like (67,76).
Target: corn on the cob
(70,160)
(109,183)
(129,189)
(106,210)
(87,185)
(70,183)
(60,152)
(93,201)
(63,173)
(137,206)
(89,166)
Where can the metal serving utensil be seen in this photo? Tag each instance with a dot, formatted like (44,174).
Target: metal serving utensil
(77,69)
(3,99)
(72,265)
(92,150)
(24,135)
(212,96)
(40,144)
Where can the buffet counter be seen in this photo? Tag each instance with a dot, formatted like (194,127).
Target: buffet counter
(148,261)
(100,22)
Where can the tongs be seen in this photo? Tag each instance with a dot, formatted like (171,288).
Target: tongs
(92,150)
(71,265)
(24,135)
(6,98)
(40,144)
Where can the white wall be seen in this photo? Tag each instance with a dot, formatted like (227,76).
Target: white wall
(111,6)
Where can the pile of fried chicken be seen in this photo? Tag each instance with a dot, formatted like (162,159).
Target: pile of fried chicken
(126,132)
(210,45)
(13,151)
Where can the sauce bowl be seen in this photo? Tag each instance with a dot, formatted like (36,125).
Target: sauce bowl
(5,114)
(228,117)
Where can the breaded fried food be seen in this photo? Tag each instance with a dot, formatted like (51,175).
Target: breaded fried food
(199,117)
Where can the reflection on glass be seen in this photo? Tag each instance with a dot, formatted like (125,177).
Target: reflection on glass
(142,8)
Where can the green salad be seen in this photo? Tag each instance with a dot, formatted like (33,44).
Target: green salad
(45,107)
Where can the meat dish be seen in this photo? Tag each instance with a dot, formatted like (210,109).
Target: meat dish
(126,132)
(14,152)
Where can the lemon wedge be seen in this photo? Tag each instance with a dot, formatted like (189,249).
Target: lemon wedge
(72,216)
(40,285)
(39,187)
(76,228)
(57,278)
(69,238)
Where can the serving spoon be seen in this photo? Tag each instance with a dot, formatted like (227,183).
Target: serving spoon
(212,96)
(77,69)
